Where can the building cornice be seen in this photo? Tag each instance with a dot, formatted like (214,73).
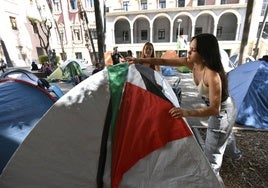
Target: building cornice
(177,9)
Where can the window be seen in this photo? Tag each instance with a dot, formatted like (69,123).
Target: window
(125,5)
(40,51)
(125,35)
(264,33)
(198,30)
(144,35)
(219,31)
(162,3)
(13,23)
(77,35)
(90,3)
(161,34)
(78,55)
(62,38)
(143,4)
(181,3)
(94,33)
(19,51)
(264,5)
(201,2)
(56,5)
(223,2)
(73,4)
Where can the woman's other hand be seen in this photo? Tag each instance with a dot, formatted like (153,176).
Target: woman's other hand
(177,112)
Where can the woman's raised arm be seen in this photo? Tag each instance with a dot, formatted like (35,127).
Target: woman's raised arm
(180,61)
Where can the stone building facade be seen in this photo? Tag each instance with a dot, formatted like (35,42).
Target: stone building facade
(128,24)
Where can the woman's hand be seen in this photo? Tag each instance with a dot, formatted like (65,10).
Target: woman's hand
(177,112)
(130,60)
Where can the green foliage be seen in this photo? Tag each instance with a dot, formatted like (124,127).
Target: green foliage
(42,59)
(58,59)
(183,69)
(33,20)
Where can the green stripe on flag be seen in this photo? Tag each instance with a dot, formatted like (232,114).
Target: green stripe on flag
(117,77)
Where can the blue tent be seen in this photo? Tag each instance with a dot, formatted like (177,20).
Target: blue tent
(22,104)
(248,85)
(167,71)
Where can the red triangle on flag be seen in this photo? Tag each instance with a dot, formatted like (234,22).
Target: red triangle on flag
(143,125)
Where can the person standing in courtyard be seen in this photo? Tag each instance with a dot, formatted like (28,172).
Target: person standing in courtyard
(209,76)
(116,56)
(148,52)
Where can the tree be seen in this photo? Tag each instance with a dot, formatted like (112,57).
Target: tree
(6,54)
(64,55)
(244,40)
(256,49)
(100,32)
(43,30)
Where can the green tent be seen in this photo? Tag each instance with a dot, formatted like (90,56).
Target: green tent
(71,72)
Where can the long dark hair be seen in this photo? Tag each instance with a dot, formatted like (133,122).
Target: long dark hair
(208,48)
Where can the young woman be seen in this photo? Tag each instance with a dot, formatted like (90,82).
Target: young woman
(148,52)
(208,74)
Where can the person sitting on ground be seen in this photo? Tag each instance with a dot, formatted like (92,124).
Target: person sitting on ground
(34,66)
(3,65)
(46,68)
(97,68)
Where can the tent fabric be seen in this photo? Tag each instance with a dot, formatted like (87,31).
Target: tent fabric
(72,69)
(226,62)
(57,74)
(22,105)
(143,112)
(81,65)
(98,133)
(167,71)
(67,72)
(21,74)
(248,86)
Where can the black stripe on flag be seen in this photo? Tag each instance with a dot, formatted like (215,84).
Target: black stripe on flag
(147,75)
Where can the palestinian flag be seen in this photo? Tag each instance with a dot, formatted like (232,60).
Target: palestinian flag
(112,130)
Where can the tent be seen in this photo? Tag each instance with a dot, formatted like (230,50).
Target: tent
(235,58)
(27,76)
(20,74)
(68,71)
(22,103)
(248,86)
(79,62)
(226,62)
(112,130)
